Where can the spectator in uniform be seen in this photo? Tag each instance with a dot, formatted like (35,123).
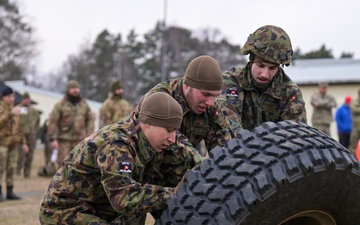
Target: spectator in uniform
(70,121)
(323,104)
(10,138)
(30,122)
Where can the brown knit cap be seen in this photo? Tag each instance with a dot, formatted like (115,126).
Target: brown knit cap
(204,73)
(162,110)
(72,84)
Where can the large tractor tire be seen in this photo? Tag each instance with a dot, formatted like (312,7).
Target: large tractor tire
(279,174)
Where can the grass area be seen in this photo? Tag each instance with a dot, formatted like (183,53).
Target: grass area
(25,211)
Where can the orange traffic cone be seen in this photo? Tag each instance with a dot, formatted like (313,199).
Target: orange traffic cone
(357,151)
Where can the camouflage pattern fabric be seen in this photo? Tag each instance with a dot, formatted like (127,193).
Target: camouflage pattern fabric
(115,177)
(213,126)
(355,132)
(270,43)
(113,109)
(70,121)
(8,156)
(281,100)
(10,127)
(10,138)
(30,124)
(323,105)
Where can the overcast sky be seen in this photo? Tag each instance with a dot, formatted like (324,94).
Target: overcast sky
(62,26)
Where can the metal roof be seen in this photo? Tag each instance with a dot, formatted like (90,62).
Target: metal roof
(312,71)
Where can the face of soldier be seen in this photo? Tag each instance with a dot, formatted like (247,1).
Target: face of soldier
(263,71)
(323,89)
(26,101)
(9,99)
(159,137)
(74,91)
(198,100)
(119,92)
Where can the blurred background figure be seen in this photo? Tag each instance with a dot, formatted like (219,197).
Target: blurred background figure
(30,122)
(323,104)
(10,138)
(70,121)
(355,132)
(344,122)
(115,106)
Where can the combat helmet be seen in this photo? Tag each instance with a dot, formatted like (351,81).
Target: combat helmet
(270,43)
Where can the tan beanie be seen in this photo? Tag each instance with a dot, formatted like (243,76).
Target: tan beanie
(162,110)
(72,84)
(204,73)
(26,95)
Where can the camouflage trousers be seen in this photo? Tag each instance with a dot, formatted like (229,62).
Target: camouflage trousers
(25,159)
(64,148)
(47,152)
(8,157)
(85,218)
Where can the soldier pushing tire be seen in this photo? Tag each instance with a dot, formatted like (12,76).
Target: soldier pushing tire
(280,174)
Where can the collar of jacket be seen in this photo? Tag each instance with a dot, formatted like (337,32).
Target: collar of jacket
(144,149)
(244,80)
(179,96)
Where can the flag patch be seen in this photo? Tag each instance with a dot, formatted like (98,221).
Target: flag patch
(125,167)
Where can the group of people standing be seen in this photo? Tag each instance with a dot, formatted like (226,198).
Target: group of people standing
(347,116)
(18,134)
(138,157)
(128,168)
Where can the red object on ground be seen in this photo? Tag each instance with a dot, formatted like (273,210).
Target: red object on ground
(357,151)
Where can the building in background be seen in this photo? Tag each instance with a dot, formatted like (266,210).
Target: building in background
(341,74)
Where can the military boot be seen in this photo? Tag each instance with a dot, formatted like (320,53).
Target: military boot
(1,197)
(10,194)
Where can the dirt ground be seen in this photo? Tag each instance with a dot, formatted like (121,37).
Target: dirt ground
(25,211)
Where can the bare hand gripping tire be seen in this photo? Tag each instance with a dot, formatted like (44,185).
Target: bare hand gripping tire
(279,174)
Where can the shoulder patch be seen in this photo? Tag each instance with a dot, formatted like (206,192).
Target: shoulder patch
(232,94)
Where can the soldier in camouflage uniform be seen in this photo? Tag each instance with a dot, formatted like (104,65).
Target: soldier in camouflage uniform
(115,107)
(70,121)
(10,138)
(355,132)
(123,171)
(261,91)
(30,122)
(323,104)
(204,118)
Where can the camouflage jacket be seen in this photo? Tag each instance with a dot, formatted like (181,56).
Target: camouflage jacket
(115,174)
(71,122)
(10,127)
(113,109)
(323,105)
(281,100)
(213,126)
(355,112)
(30,122)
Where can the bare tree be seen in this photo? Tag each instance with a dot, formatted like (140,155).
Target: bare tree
(17,46)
